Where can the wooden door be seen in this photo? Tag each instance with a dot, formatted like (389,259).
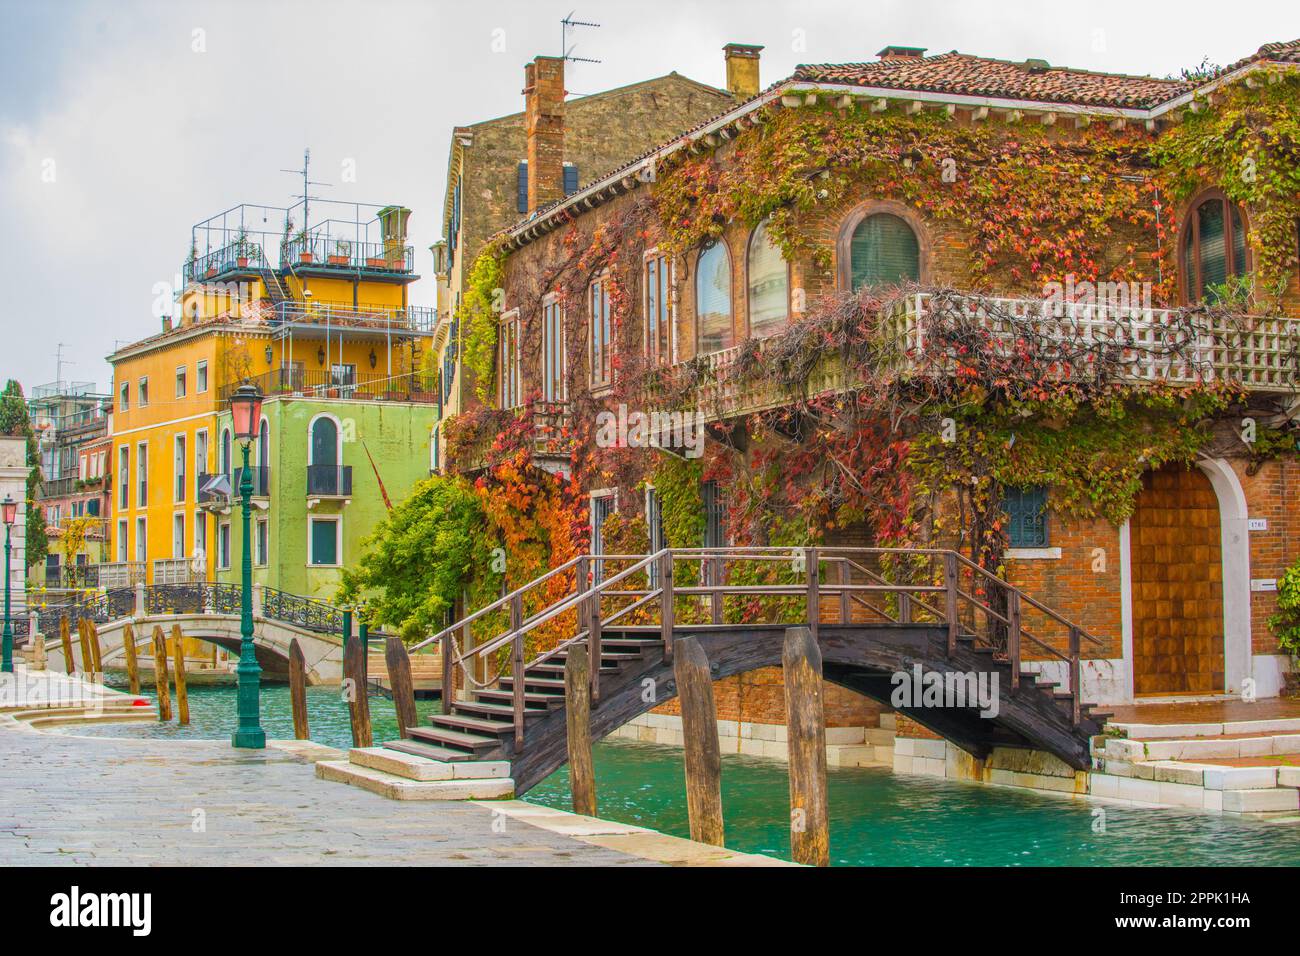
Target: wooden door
(1177,576)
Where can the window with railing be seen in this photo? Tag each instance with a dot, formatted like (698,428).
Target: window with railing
(1026,510)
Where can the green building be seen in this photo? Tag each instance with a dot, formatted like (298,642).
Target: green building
(322,468)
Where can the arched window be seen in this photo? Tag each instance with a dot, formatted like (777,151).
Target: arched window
(883,250)
(324,442)
(224,452)
(713,299)
(1214,248)
(769,284)
(264,444)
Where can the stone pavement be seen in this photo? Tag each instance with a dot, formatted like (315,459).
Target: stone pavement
(68,800)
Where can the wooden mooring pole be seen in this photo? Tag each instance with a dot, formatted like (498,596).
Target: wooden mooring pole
(298,690)
(182,695)
(354,677)
(398,660)
(577,719)
(83,638)
(69,664)
(700,742)
(801,662)
(132,663)
(96,652)
(161,684)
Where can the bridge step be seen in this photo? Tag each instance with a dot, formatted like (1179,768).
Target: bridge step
(441,736)
(428,751)
(421,768)
(499,710)
(551,701)
(530,681)
(480,725)
(546,669)
(400,788)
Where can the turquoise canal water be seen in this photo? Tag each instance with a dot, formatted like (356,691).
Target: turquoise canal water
(877,818)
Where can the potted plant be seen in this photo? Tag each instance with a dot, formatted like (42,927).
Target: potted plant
(241,249)
(342,254)
(304,251)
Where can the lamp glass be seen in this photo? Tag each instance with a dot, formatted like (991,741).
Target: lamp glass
(246,411)
(9,510)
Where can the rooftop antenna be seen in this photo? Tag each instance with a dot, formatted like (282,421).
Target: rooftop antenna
(566,51)
(306,163)
(59,362)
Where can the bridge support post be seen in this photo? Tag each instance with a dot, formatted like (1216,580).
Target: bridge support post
(96,653)
(666,605)
(518,679)
(298,691)
(950,596)
(801,663)
(1013,636)
(577,719)
(703,754)
(83,638)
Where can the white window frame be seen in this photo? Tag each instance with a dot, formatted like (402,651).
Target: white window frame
(261,549)
(142,474)
(178,547)
(180,451)
(124,477)
(338,539)
(555,380)
(182,382)
(142,393)
(670,313)
(225,546)
(509,380)
(201,377)
(141,539)
(123,540)
(200,461)
(124,397)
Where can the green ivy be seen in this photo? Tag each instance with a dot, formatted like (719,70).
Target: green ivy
(1286,622)
(480,315)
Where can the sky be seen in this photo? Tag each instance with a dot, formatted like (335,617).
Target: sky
(125,122)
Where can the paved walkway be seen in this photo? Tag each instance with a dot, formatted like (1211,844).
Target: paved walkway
(1205,711)
(70,800)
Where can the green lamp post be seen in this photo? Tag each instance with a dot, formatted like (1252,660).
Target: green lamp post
(246,410)
(9,511)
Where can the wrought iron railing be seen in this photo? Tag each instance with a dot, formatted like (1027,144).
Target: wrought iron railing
(240,255)
(329,481)
(420,387)
(109,606)
(307,613)
(417,318)
(199,597)
(329,252)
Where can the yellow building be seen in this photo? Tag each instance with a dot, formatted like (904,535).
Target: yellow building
(320,312)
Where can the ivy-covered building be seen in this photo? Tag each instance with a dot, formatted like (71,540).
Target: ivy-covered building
(1043,315)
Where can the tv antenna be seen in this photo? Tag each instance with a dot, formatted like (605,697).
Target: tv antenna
(306,183)
(59,362)
(566,51)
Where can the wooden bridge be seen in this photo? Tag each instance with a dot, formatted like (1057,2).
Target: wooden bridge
(877,614)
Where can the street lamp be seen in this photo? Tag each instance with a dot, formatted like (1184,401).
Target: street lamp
(8,511)
(246,410)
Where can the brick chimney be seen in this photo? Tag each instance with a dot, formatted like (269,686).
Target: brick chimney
(892,54)
(544,122)
(742,69)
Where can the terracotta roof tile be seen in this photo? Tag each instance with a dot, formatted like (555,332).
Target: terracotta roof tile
(962,74)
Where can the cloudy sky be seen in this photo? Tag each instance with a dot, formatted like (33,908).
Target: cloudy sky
(124,122)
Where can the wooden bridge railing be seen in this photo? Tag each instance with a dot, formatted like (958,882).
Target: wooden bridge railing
(706,586)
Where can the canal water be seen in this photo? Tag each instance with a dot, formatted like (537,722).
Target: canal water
(877,818)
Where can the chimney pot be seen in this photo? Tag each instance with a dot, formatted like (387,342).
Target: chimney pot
(742,69)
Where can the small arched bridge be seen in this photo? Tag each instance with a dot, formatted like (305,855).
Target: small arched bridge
(881,617)
(207,612)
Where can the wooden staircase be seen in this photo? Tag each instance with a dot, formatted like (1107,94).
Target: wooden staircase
(628,612)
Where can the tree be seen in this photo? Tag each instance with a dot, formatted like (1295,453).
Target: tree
(14,421)
(415,562)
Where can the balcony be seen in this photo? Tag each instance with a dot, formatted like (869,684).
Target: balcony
(379,318)
(418,387)
(328,253)
(211,497)
(261,477)
(329,481)
(1151,346)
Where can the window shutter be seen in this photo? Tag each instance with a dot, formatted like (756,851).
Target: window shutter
(884,251)
(522,204)
(570,179)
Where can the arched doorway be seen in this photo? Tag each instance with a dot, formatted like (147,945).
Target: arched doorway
(1177,576)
